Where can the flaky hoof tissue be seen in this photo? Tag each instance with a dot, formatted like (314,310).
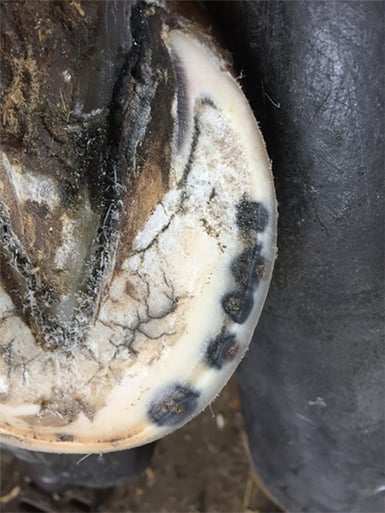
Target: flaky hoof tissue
(127,303)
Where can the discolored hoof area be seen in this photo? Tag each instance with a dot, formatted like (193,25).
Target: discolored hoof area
(138,230)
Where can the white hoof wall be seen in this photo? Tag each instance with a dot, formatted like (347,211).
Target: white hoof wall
(178,303)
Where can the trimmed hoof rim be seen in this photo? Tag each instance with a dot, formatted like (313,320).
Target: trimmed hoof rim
(146,301)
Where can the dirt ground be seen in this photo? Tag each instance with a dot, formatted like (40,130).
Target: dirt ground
(203,467)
